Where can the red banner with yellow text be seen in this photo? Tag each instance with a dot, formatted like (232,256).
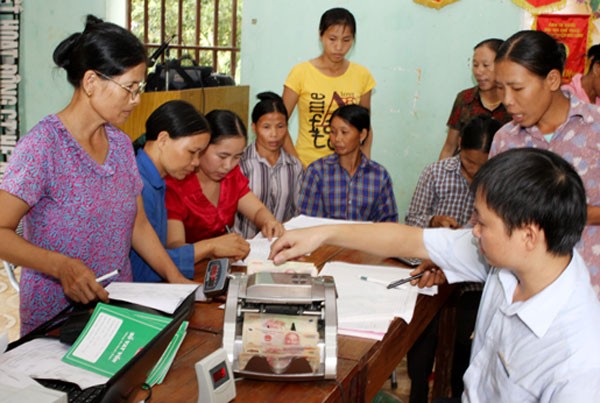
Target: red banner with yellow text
(540,6)
(574,31)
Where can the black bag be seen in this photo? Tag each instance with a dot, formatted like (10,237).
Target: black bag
(180,77)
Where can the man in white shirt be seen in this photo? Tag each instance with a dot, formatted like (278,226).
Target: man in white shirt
(537,337)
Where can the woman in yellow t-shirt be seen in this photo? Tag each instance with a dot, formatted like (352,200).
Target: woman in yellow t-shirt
(321,85)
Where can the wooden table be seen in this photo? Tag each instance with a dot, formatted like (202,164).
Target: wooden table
(363,364)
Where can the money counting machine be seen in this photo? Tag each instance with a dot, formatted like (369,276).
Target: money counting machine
(281,326)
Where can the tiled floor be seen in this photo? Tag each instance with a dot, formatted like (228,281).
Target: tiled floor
(9,307)
(402,392)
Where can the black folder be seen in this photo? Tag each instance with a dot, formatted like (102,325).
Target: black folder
(130,379)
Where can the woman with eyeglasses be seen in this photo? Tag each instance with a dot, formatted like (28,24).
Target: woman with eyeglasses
(74,182)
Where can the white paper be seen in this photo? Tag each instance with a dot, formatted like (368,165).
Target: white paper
(200,297)
(42,358)
(370,307)
(304,221)
(162,296)
(260,248)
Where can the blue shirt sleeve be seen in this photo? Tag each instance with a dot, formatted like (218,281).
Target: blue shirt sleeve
(183,257)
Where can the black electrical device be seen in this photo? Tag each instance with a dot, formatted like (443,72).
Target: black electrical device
(216,278)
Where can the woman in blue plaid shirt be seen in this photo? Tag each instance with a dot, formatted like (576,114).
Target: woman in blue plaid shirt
(347,185)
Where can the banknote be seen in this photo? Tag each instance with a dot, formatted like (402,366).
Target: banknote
(279,338)
(279,330)
(280,362)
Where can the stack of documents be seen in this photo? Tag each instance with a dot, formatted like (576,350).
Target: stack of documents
(158,373)
(366,308)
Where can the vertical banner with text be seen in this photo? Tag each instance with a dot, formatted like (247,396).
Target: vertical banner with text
(572,30)
(10,23)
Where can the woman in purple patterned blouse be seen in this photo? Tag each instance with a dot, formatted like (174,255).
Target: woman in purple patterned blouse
(74,182)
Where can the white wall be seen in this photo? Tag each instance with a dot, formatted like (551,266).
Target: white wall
(419,56)
(44,24)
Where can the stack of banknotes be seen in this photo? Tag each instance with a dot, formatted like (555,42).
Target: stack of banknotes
(279,338)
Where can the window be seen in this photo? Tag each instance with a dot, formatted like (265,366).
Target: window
(209,31)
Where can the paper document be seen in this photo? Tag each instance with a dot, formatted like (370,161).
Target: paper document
(161,296)
(260,248)
(366,308)
(42,358)
(304,221)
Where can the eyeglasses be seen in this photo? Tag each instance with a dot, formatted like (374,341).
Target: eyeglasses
(134,93)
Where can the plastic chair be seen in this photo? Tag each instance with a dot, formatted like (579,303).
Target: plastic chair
(10,272)
(10,268)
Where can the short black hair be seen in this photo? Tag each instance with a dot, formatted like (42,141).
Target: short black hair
(478,133)
(355,115)
(593,55)
(534,186)
(178,118)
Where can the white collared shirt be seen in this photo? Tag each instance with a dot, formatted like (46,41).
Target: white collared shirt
(544,349)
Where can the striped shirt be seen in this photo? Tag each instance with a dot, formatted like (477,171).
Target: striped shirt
(276,186)
(328,191)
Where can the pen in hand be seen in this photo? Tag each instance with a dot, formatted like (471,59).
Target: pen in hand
(108,275)
(395,284)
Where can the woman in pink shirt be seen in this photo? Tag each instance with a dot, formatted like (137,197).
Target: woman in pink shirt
(587,87)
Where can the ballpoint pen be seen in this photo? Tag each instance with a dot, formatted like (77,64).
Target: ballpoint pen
(395,284)
(108,275)
(227,229)
(374,280)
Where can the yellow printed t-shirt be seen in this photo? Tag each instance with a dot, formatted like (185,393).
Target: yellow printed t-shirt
(318,97)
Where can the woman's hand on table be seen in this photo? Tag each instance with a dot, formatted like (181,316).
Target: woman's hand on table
(229,245)
(272,229)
